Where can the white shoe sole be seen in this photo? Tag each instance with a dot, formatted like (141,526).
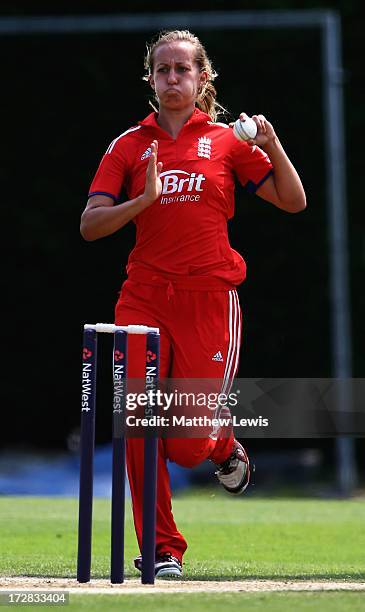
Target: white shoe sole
(238,480)
(169,572)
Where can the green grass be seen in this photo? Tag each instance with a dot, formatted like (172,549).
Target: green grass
(268,602)
(273,602)
(229,539)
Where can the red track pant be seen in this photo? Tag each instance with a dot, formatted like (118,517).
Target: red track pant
(195,327)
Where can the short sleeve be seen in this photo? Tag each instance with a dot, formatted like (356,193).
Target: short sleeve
(251,165)
(110,175)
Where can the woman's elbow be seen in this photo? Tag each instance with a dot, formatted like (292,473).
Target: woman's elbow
(296,205)
(299,205)
(85,230)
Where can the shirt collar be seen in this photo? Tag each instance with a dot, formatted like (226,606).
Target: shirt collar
(197,117)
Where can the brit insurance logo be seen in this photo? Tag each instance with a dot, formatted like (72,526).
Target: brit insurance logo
(181,186)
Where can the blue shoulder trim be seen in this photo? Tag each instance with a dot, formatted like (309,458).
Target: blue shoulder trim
(110,195)
(252,187)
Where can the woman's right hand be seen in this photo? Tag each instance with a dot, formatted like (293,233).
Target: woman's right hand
(153,185)
(103,217)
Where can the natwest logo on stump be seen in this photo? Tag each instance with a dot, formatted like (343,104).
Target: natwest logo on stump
(176,182)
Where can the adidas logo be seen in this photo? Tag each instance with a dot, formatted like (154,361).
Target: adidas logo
(217,357)
(146,154)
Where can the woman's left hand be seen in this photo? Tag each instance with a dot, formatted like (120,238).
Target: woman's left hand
(265,131)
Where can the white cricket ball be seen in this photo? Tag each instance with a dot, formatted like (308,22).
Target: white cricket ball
(245,130)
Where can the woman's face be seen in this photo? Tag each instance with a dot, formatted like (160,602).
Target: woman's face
(176,78)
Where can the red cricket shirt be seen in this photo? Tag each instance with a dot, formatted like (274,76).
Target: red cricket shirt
(184,234)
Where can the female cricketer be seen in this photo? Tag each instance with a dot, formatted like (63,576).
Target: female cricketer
(178,167)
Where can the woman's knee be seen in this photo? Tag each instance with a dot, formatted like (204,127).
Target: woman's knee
(188,453)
